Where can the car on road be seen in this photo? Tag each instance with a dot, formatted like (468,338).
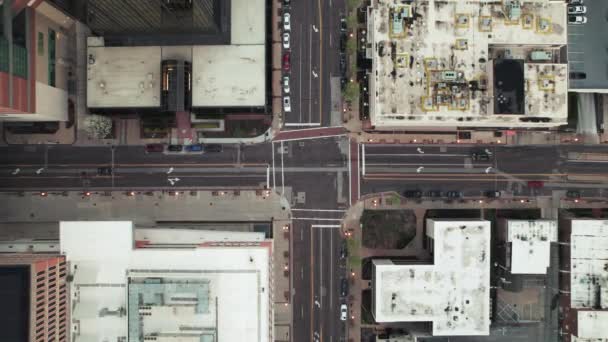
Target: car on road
(343,312)
(480,156)
(213,148)
(492,194)
(194,148)
(343,287)
(175,148)
(286,62)
(577,19)
(577,75)
(343,26)
(577,9)
(412,194)
(286,2)
(104,171)
(286,104)
(573,194)
(342,42)
(155,148)
(286,21)
(343,250)
(286,41)
(286,88)
(342,63)
(435,194)
(454,194)
(536,184)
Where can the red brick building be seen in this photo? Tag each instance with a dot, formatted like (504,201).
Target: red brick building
(33,290)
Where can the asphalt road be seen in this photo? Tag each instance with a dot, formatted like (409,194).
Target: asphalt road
(314,59)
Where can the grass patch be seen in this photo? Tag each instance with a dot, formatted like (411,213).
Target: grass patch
(388,229)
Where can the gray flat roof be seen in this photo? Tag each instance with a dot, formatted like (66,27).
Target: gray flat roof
(587,48)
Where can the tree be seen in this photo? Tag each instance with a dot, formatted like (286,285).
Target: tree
(98,126)
(351,92)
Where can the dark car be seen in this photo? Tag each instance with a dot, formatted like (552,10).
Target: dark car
(194,148)
(343,26)
(343,287)
(480,156)
(286,2)
(155,147)
(573,194)
(175,148)
(577,75)
(343,250)
(434,194)
(412,194)
(286,62)
(213,148)
(342,63)
(535,184)
(492,194)
(104,171)
(454,194)
(342,42)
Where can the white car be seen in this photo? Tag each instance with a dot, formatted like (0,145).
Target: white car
(577,9)
(343,312)
(286,84)
(286,40)
(286,22)
(577,19)
(286,104)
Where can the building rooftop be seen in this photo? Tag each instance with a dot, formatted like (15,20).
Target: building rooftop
(228,76)
(248,24)
(592,324)
(467,63)
(588,271)
(531,245)
(453,293)
(195,293)
(123,77)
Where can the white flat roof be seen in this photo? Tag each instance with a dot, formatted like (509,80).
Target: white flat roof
(588,254)
(592,324)
(123,77)
(407,86)
(102,258)
(228,75)
(194,236)
(248,22)
(531,245)
(453,293)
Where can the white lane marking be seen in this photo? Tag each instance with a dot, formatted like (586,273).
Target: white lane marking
(325,226)
(282,172)
(302,234)
(327,210)
(415,155)
(363,159)
(331,269)
(415,164)
(170,170)
(296,124)
(309,138)
(300,75)
(317,219)
(274,178)
(359,174)
(268,176)
(309,79)
(321,267)
(350,179)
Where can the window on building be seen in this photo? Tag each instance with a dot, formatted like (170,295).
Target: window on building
(40,44)
(51,43)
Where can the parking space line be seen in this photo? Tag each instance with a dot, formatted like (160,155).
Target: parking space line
(300,75)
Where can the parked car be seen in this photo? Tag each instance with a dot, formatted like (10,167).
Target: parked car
(343,287)
(577,9)
(535,184)
(435,194)
(492,194)
(577,19)
(286,21)
(286,88)
(342,63)
(155,148)
(286,62)
(412,193)
(175,148)
(213,148)
(342,42)
(573,194)
(454,194)
(343,312)
(343,26)
(104,171)
(194,148)
(286,104)
(343,250)
(577,75)
(286,2)
(480,156)
(286,44)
